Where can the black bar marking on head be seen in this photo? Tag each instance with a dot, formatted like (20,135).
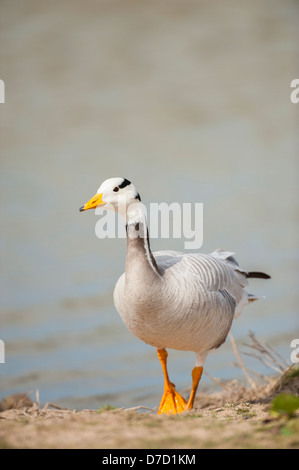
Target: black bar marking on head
(124,183)
(138,196)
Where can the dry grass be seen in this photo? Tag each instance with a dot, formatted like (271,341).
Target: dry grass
(260,388)
(238,416)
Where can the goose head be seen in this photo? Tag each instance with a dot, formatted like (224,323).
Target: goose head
(115,194)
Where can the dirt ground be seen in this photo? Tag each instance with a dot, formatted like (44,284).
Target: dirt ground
(235,418)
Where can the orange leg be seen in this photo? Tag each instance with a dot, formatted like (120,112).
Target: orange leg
(196,376)
(172,402)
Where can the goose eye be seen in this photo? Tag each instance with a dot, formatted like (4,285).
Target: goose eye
(116,189)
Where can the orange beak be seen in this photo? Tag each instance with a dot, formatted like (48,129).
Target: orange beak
(94,202)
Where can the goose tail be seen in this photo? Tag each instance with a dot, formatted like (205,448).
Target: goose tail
(257,274)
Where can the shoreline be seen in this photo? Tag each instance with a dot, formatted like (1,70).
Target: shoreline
(237,417)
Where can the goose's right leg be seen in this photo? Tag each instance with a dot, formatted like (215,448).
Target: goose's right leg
(172,402)
(196,376)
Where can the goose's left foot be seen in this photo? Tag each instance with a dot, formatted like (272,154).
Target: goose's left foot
(172,402)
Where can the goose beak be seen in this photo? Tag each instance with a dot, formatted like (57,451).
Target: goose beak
(94,202)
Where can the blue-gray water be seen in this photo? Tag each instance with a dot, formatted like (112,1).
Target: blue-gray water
(191,101)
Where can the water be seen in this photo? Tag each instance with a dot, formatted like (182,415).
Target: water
(189,101)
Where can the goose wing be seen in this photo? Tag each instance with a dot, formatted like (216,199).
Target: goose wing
(208,288)
(215,272)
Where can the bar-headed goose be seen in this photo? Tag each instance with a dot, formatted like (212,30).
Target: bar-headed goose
(168,299)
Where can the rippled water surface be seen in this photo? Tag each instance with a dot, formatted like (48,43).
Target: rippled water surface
(191,101)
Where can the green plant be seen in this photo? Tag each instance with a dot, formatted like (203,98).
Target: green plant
(285,404)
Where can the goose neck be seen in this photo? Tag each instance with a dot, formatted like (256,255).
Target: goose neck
(140,261)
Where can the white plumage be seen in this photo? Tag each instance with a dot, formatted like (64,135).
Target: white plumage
(192,305)
(170,299)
